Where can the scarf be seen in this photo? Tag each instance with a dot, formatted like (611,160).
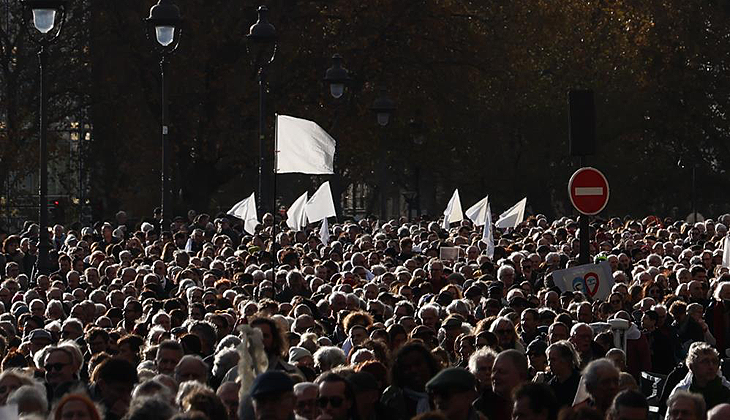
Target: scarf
(422,405)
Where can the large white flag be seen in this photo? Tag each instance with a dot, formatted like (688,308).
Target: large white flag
(324,232)
(246,211)
(726,252)
(453,212)
(321,204)
(296,216)
(303,147)
(512,217)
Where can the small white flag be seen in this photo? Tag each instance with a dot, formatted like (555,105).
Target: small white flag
(726,252)
(303,147)
(296,216)
(321,204)
(512,217)
(481,214)
(324,232)
(453,212)
(478,212)
(246,211)
(488,236)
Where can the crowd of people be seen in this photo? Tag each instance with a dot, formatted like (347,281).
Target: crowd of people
(198,319)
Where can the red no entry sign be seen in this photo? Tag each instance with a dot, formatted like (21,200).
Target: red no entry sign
(588,191)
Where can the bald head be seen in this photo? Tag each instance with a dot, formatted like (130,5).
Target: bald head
(721,411)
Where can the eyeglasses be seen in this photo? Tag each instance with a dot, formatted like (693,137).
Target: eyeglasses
(335,402)
(55,366)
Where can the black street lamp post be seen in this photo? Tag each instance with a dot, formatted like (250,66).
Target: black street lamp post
(683,164)
(416,125)
(337,77)
(383,107)
(164,21)
(262,48)
(48,19)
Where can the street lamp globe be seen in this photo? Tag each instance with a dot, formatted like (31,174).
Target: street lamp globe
(383,107)
(45,13)
(337,77)
(44,19)
(165,19)
(262,37)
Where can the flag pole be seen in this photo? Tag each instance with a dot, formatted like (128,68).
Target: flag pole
(274,211)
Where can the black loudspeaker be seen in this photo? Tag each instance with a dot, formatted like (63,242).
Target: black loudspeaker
(582,122)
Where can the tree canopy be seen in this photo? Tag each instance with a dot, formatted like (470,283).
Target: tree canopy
(481,85)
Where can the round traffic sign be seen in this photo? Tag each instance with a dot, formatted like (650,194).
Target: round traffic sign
(588,191)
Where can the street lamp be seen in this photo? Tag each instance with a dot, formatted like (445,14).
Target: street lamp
(383,107)
(416,126)
(48,18)
(682,164)
(337,77)
(164,21)
(262,49)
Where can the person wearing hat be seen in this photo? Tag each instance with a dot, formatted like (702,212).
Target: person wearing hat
(272,394)
(496,291)
(452,391)
(301,358)
(223,227)
(537,357)
(452,328)
(38,339)
(425,334)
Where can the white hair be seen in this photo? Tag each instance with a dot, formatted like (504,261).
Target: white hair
(224,361)
(429,307)
(591,372)
(482,353)
(458,306)
(718,289)
(503,270)
(302,387)
(328,357)
(32,395)
(359,353)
